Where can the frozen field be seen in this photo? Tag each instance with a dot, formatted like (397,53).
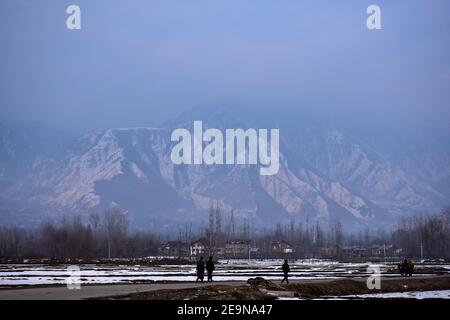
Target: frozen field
(439,294)
(419,295)
(226,270)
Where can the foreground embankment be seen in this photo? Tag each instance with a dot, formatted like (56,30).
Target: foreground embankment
(261,289)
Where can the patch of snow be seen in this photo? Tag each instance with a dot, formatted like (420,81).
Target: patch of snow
(436,294)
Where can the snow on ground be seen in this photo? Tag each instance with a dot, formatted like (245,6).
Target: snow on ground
(437,294)
(226,270)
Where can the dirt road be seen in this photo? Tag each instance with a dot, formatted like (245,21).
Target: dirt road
(94,291)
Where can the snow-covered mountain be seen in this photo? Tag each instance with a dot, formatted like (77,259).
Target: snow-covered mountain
(326,174)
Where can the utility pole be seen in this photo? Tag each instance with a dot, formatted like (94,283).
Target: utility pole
(421,250)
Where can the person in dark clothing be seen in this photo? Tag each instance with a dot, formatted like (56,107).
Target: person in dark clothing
(410,268)
(406,268)
(286,270)
(200,269)
(400,269)
(210,268)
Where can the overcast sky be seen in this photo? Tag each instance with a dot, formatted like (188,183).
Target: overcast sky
(137,63)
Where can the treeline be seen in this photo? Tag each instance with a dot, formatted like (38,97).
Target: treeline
(107,235)
(427,235)
(307,237)
(104,236)
(421,235)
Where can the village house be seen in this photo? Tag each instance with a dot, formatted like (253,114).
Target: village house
(390,250)
(174,249)
(385,251)
(374,251)
(199,247)
(220,251)
(237,248)
(330,251)
(398,252)
(354,252)
(281,246)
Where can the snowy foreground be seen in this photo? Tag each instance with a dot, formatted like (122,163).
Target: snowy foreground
(439,294)
(226,270)
(436,294)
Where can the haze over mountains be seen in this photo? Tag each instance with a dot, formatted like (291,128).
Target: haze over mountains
(328,172)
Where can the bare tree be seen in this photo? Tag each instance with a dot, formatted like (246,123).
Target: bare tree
(116,223)
(218,220)
(233,224)
(211,225)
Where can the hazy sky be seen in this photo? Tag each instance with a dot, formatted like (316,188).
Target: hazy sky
(137,63)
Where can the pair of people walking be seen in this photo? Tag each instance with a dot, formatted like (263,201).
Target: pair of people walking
(201,266)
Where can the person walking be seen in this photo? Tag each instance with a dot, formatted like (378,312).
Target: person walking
(286,270)
(200,270)
(210,268)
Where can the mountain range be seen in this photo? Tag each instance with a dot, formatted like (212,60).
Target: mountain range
(328,172)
